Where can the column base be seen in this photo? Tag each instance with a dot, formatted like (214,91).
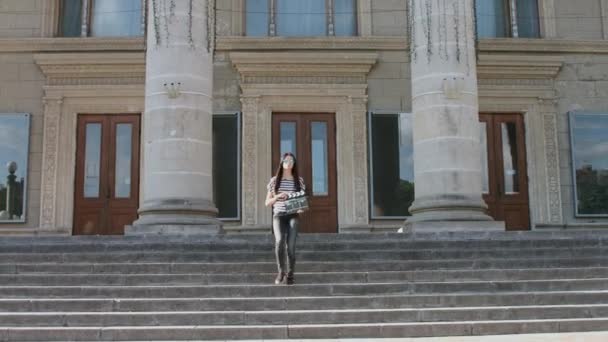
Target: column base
(176,217)
(452,226)
(450,213)
(182,230)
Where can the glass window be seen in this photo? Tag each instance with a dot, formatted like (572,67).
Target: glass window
(527,19)
(113,18)
(124,139)
(71,18)
(589,135)
(509,157)
(320,180)
(301,18)
(306,18)
(14,142)
(492,17)
(483,139)
(287,137)
(108,18)
(392,169)
(226,165)
(92,160)
(345,13)
(498,18)
(256,19)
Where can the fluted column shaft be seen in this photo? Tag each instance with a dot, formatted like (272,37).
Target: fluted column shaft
(447,162)
(177,123)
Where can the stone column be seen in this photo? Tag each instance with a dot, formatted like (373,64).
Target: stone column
(447,163)
(177,195)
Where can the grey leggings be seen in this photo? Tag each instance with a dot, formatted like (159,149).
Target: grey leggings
(285,230)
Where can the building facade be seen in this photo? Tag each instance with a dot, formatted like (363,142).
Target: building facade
(110,107)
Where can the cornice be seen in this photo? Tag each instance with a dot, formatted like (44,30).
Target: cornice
(62,67)
(304,64)
(518,66)
(238,43)
(557,46)
(71,44)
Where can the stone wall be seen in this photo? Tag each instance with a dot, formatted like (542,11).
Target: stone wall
(389,17)
(389,82)
(581,19)
(20,18)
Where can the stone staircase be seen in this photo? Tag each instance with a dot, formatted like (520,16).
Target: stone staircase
(347,286)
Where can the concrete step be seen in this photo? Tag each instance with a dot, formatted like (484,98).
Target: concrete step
(303,266)
(295,331)
(242,245)
(239,291)
(303,277)
(284,317)
(304,303)
(571,234)
(267,256)
(360,286)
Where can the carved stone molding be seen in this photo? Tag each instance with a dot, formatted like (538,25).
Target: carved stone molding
(237,43)
(250,107)
(63,104)
(509,66)
(358,109)
(305,83)
(52,112)
(546,9)
(71,44)
(548,46)
(303,79)
(350,138)
(61,67)
(537,102)
(50,18)
(552,166)
(303,67)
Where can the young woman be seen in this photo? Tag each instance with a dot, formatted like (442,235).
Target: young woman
(285,184)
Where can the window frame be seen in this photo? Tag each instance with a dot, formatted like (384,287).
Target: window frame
(330,19)
(571,117)
(239,159)
(512,27)
(25,208)
(370,163)
(86,20)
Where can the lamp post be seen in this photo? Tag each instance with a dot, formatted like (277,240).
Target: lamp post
(11,189)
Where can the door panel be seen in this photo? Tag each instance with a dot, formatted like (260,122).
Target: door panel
(311,137)
(107,174)
(506,193)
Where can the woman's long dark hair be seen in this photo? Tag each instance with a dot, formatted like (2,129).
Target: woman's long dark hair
(294,171)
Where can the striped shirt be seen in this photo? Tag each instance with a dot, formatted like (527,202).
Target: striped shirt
(288,186)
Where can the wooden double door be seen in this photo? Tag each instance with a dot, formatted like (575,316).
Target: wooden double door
(312,139)
(107,174)
(504,170)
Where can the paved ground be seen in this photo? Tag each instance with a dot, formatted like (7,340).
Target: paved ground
(574,337)
(601,336)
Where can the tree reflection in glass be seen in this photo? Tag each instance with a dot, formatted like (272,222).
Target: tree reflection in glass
(589,133)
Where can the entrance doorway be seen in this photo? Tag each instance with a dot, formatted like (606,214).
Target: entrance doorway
(312,138)
(107,174)
(505,180)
